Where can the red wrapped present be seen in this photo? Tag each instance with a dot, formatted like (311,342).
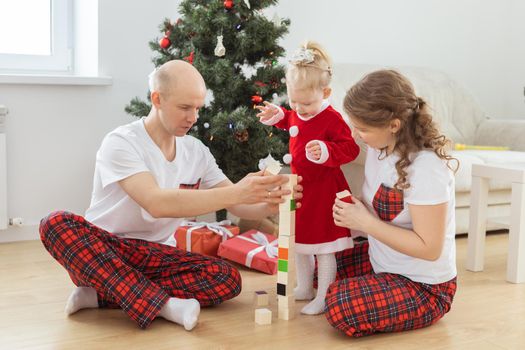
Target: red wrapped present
(254,249)
(204,237)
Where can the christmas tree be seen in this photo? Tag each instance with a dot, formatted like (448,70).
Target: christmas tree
(234,46)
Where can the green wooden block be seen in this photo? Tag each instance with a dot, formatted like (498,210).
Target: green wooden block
(282,265)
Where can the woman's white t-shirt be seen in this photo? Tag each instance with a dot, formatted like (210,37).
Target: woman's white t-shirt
(129,150)
(431,183)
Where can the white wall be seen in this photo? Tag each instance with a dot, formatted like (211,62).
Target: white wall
(478,42)
(54,131)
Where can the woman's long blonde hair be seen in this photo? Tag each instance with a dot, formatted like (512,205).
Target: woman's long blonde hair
(385,95)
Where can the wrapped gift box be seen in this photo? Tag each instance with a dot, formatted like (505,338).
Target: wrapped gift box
(204,237)
(253,249)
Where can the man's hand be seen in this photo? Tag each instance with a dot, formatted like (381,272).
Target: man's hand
(257,188)
(297,196)
(259,195)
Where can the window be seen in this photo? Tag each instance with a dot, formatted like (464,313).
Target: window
(36,36)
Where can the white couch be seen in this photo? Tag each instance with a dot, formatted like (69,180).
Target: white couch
(462,120)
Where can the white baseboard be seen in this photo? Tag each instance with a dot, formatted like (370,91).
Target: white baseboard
(30,232)
(19,233)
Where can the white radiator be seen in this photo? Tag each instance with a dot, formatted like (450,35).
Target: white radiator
(3,170)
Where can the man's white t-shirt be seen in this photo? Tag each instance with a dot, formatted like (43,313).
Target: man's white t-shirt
(129,150)
(431,183)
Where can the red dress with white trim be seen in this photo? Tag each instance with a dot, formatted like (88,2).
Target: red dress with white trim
(316,232)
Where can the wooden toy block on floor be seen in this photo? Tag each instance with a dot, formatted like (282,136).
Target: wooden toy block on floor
(263,316)
(261,298)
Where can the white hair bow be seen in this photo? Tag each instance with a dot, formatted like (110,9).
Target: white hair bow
(303,55)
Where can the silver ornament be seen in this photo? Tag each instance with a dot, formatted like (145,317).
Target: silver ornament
(220,50)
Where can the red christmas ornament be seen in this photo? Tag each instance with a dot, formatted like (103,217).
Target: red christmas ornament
(190,57)
(165,42)
(257,99)
(228,4)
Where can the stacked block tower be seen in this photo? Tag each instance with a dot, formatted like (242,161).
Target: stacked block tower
(286,256)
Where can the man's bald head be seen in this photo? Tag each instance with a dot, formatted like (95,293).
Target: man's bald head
(174,74)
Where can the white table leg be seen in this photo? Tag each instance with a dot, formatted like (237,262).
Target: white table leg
(516,256)
(478,223)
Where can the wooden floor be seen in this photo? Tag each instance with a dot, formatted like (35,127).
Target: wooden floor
(488,313)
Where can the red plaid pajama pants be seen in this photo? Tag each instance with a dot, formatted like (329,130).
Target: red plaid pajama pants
(361,302)
(135,275)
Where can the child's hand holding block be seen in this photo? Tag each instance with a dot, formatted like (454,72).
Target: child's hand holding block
(345,196)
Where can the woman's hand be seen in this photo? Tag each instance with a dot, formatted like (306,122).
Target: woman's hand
(353,216)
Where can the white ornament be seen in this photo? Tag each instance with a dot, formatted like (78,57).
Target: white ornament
(294,131)
(209,98)
(275,96)
(247,2)
(206,125)
(276,20)
(220,50)
(195,128)
(283,80)
(287,158)
(271,165)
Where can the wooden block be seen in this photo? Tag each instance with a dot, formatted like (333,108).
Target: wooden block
(286,241)
(281,289)
(263,316)
(292,181)
(260,298)
(345,196)
(286,217)
(291,266)
(286,224)
(282,265)
(286,313)
(282,253)
(282,277)
(284,289)
(289,205)
(285,301)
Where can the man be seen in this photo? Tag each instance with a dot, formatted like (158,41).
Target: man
(146,180)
